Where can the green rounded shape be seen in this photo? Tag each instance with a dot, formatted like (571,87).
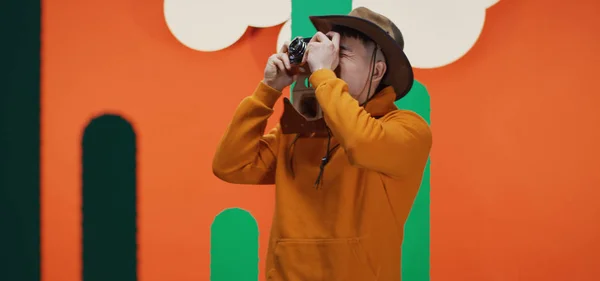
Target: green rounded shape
(234,246)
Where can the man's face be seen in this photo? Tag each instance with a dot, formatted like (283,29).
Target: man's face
(355,65)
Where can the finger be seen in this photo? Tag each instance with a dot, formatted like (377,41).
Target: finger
(285,47)
(276,61)
(286,61)
(320,37)
(272,59)
(335,38)
(308,47)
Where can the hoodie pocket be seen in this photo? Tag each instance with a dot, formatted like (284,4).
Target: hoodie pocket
(321,260)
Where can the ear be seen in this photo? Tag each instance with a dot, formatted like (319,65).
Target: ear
(379,72)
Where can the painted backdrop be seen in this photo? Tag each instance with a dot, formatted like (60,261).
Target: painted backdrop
(115,181)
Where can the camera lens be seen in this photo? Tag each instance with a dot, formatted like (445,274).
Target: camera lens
(296,50)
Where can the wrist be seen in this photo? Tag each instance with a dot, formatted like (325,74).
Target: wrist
(321,76)
(319,67)
(272,85)
(267,94)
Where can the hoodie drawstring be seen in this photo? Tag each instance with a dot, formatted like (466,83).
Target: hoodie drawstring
(325,159)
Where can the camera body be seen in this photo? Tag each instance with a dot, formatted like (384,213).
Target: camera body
(297,48)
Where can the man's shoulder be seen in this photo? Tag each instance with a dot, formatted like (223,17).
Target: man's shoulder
(409,121)
(404,114)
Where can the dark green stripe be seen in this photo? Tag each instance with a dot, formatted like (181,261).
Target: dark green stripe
(20,140)
(109,200)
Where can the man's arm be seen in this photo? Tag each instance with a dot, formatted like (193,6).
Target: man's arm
(245,155)
(394,145)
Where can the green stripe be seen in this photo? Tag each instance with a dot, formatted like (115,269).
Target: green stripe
(302,9)
(20,140)
(415,250)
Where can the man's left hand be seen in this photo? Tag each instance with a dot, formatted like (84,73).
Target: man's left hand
(322,52)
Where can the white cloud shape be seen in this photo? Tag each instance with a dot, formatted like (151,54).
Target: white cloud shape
(285,34)
(436,32)
(208,25)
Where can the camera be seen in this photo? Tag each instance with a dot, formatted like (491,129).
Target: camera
(297,48)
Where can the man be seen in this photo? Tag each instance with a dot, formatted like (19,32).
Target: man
(350,227)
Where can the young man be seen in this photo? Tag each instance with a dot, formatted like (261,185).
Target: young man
(350,227)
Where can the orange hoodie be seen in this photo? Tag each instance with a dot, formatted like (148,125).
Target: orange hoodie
(351,227)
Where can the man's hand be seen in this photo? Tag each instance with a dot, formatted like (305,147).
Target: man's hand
(279,73)
(323,53)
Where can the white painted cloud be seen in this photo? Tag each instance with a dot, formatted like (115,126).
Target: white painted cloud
(208,25)
(285,34)
(436,32)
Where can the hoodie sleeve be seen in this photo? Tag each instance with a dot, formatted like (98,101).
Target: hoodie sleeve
(244,155)
(395,145)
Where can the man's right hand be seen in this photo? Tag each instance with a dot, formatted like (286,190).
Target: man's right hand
(279,73)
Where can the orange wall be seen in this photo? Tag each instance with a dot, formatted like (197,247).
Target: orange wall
(514,166)
(514,175)
(118,56)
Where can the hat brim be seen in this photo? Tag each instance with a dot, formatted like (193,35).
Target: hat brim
(399,72)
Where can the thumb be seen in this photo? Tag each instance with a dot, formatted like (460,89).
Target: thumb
(305,57)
